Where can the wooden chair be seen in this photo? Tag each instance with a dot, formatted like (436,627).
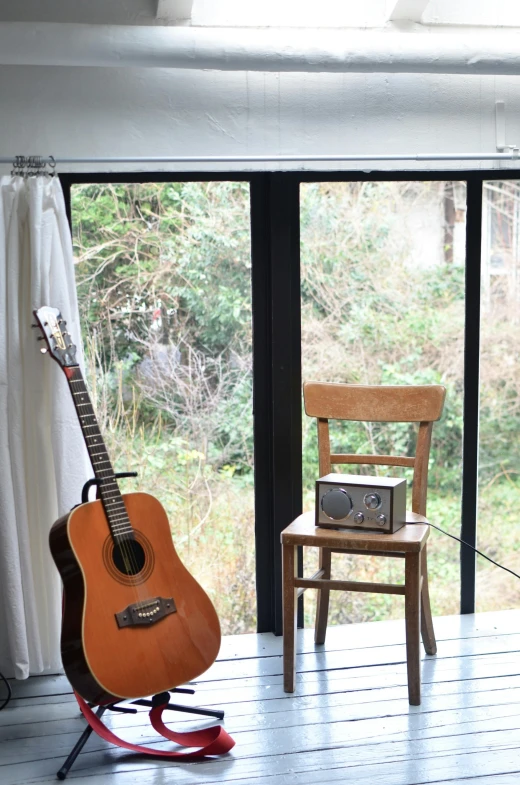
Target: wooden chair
(422,404)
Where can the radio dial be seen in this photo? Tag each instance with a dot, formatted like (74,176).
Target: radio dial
(336,504)
(359,517)
(381,519)
(372,501)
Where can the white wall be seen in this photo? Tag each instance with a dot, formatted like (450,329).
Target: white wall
(96,111)
(79,111)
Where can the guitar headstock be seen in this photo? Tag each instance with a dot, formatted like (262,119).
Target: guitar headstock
(54,329)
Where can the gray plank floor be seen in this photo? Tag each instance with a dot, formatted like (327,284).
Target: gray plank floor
(348,722)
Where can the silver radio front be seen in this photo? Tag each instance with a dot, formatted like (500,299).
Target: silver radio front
(362,503)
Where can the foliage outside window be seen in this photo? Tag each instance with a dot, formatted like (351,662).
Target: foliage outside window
(164,286)
(164,283)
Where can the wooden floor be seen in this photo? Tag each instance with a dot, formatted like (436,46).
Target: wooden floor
(348,722)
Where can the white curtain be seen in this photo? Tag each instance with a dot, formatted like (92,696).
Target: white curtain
(43,461)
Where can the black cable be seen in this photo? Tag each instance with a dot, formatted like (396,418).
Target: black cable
(419,523)
(9,691)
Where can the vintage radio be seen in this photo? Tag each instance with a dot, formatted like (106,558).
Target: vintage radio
(360,503)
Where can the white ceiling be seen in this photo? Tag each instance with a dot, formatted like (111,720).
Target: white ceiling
(499,13)
(265,13)
(108,12)
(354,13)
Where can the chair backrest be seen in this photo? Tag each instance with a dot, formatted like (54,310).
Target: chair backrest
(382,403)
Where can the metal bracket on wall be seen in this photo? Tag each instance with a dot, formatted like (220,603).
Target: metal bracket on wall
(500,130)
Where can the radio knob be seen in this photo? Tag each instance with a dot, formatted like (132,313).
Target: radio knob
(359,517)
(381,519)
(336,504)
(372,501)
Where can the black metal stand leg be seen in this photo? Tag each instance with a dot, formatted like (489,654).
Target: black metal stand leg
(218,714)
(62,773)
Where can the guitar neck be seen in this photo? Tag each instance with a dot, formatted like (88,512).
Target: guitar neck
(111,498)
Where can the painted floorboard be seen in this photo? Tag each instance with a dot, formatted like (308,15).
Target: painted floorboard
(349,720)
(395,732)
(294,709)
(387,646)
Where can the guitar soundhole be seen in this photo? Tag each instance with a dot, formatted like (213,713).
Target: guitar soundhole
(129,557)
(139,564)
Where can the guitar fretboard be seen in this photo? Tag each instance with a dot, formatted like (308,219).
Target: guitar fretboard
(113,503)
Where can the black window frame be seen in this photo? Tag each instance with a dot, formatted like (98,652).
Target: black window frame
(277,375)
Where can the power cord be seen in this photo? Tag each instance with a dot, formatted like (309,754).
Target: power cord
(9,691)
(421,523)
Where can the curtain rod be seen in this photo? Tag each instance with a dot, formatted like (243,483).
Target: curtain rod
(511,155)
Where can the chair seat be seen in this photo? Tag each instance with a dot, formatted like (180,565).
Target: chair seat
(408,539)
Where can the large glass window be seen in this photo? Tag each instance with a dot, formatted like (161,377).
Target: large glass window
(164,285)
(499,432)
(383,303)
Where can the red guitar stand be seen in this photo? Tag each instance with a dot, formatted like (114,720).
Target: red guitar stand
(213,741)
(156,700)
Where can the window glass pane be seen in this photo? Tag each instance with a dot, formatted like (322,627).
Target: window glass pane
(164,285)
(383,303)
(499,433)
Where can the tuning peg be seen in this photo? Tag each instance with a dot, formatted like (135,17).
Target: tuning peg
(44,350)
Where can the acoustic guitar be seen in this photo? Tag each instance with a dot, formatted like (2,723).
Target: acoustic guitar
(135,621)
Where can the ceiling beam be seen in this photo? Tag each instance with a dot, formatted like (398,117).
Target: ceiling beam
(409,10)
(171,11)
(258,49)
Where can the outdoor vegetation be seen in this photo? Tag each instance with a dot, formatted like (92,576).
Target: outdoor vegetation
(164,285)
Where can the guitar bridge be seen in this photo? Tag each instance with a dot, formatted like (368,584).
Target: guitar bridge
(146,613)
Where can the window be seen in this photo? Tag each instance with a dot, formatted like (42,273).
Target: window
(383,298)
(389,289)
(164,285)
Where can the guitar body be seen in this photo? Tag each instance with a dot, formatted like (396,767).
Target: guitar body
(135,622)
(167,631)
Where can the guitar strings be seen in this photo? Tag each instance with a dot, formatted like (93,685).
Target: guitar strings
(127,550)
(126,547)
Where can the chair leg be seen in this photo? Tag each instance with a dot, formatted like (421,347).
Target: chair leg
(289,617)
(412,614)
(322,604)
(427,631)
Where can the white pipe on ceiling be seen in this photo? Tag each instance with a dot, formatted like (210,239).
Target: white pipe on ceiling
(259,49)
